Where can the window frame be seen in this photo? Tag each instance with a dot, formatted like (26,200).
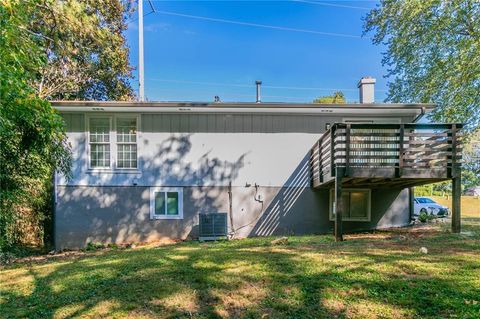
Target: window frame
(137,121)
(368,218)
(154,190)
(113,143)
(89,151)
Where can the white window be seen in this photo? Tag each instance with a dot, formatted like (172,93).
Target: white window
(166,203)
(126,130)
(112,142)
(356,204)
(99,142)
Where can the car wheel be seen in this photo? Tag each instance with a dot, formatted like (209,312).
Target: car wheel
(423,210)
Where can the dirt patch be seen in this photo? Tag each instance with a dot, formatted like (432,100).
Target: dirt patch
(234,303)
(76,254)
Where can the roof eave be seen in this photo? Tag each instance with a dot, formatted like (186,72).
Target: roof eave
(237,105)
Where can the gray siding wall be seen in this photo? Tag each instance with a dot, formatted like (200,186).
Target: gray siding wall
(209,149)
(203,153)
(121,214)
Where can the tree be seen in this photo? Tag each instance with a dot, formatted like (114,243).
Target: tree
(87,56)
(336,98)
(433,54)
(51,49)
(471,161)
(32,137)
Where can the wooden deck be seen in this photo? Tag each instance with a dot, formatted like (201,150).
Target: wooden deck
(388,155)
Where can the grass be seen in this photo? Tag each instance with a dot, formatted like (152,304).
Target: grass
(470,204)
(371,275)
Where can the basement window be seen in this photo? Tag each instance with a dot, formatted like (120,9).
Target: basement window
(356,203)
(166,203)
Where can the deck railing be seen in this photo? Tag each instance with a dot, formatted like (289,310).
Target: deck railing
(386,147)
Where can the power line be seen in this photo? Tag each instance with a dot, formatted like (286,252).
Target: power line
(306,99)
(202,83)
(312,88)
(222,93)
(252,85)
(136,19)
(305,88)
(258,25)
(332,4)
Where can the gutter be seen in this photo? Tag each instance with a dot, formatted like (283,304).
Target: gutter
(422,113)
(391,111)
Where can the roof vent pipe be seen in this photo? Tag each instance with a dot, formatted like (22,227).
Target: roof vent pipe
(366,88)
(258,84)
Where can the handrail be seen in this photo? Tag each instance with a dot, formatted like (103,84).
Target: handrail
(425,126)
(396,146)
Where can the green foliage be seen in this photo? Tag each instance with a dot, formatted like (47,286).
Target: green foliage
(471,161)
(436,189)
(91,246)
(433,54)
(71,49)
(6,257)
(470,170)
(32,137)
(86,51)
(336,98)
(423,217)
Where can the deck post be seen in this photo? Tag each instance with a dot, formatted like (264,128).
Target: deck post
(332,149)
(339,173)
(456,207)
(411,202)
(456,185)
(401,150)
(320,160)
(347,149)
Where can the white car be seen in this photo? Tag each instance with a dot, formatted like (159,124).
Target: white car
(429,206)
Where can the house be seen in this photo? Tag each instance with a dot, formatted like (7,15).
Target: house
(143,171)
(473,191)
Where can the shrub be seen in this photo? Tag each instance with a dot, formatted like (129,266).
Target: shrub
(423,217)
(91,246)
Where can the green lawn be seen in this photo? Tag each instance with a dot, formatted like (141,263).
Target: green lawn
(375,275)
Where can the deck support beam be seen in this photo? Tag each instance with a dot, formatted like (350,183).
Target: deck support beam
(456,207)
(456,185)
(411,202)
(339,174)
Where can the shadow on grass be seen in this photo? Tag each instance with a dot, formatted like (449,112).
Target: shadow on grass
(305,279)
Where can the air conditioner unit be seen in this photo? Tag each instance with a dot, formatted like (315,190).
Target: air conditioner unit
(213,226)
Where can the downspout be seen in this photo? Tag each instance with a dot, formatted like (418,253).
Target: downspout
(54,212)
(230,208)
(422,113)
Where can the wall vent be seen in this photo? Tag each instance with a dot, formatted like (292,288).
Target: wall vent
(212,226)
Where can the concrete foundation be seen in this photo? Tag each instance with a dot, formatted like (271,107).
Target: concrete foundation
(121,214)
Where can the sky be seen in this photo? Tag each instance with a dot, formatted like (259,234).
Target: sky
(195,50)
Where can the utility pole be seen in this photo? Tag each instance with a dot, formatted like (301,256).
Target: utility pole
(141,83)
